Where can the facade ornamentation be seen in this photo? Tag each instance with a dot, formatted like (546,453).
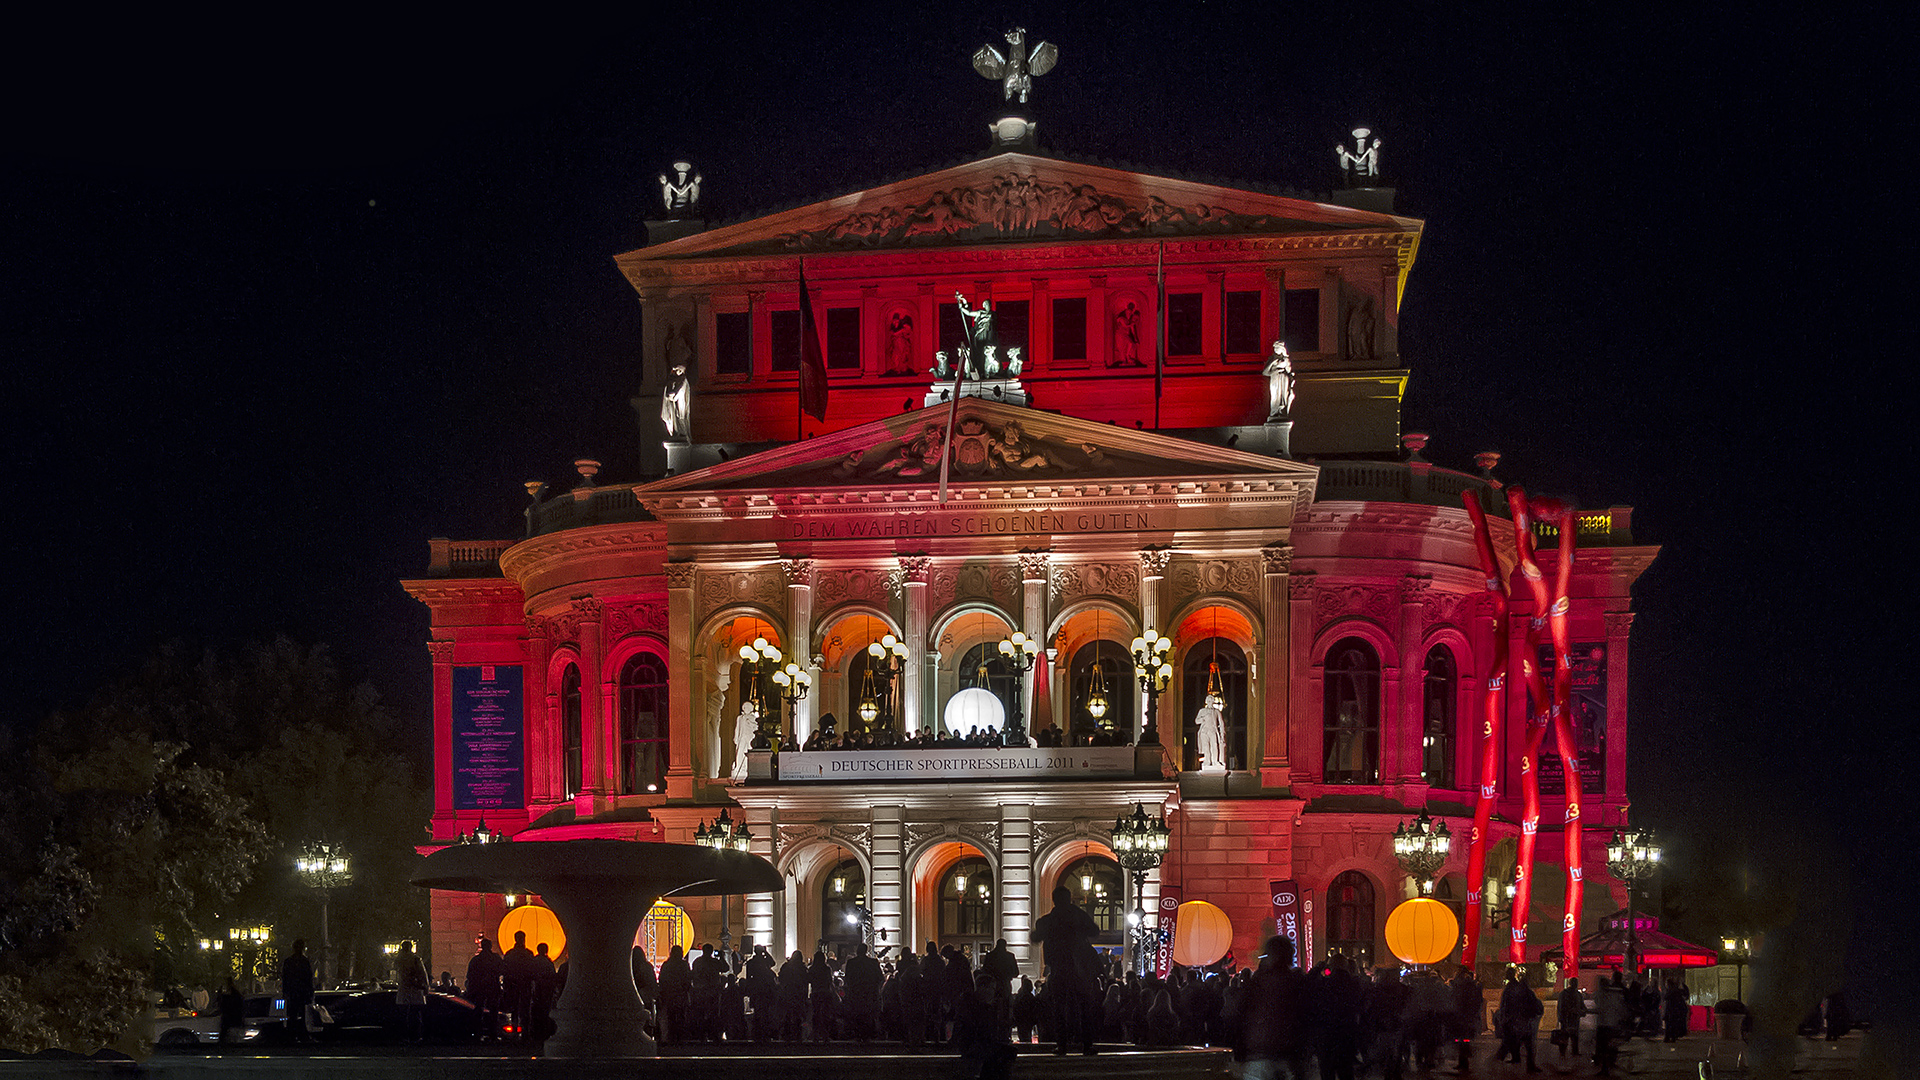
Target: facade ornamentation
(1153,562)
(1334,601)
(914,568)
(1098,579)
(1016,70)
(1048,832)
(587,609)
(849,836)
(537,626)
(799,572)
(1302,585)
(1415,588)
(441,651)
(981,834)
(838,586)
(979,449)
(645,617)
(1278,558)
(974,581)
(766,587)
(1237,576)
(1022,204)
(1034,565)
(1618,623)
(680,575)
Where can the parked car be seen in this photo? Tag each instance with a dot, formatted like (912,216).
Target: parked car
(265,1016)
(376,1016)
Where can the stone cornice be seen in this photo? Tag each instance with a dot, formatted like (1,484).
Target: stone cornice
(518,560)
(1159,492)
(436,591)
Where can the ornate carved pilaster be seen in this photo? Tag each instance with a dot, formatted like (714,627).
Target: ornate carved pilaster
(799,572)
(1153,562)
(600,774)
(1033,618)
(680,575)
(536,648)
(440,651)
(1034,566)
(680,711)
(442,654)
(1618,623)
(1277,558)
(800,629)
(1276,691)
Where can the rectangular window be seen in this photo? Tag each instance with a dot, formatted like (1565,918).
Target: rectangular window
(1183,324)
(733,343)
(784,350)
(1303,320)
(953,331)
(1010,321)
(1243,323)
(843,339)
(1070,328)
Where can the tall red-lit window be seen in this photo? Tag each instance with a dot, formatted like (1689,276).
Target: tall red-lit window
(570,742)
(1351,734)
(1439,708)
(1350,917)
(643,725)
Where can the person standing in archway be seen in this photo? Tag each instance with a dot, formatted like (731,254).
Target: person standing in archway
(1066,938)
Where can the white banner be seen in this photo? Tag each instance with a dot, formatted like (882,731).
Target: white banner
(966,763)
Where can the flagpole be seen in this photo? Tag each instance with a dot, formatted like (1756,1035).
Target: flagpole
(800,377)
(946,438)
(1160,342)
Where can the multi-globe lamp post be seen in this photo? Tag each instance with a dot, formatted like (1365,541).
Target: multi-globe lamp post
(725,834)
(887,657)
(1019,652)
(324,866)
(757,657)
(1421,846)
(1151,667)
(1140,846)
(1632,855)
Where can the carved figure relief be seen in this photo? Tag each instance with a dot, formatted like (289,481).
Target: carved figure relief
(1126,337)
(765,587)
(1237,576)
(647,616)
(900,344)
(1021,204)
(978,450)
(1099,579)
(844,585)
(1333,601)
(981,834)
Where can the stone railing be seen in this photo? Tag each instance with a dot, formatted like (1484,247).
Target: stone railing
(465,558)
(584,506)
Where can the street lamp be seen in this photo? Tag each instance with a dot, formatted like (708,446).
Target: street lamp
(1151,667)
(1019,652)
(725,834)
(323,865)
(1495,914)
(1422,848)
(793,682)
(1140,845)
(1737,951)
(1631,856)
(889,659)
(761,652)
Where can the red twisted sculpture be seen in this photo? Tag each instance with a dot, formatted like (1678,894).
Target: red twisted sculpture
(1552,607)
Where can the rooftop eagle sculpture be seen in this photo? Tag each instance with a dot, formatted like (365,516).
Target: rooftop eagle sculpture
(1018,68)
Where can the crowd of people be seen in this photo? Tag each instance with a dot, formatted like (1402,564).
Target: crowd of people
(514,992)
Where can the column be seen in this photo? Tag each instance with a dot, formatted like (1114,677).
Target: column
(599,746)
(1276,679)
(1033,620)
(1302,719)
(536,648)
(1407,741)
(800,641)
(913,574)
(444,824)
(680,673)
(1018,906)
(1619,625)
(1153,568)
(886,892)
(758,924)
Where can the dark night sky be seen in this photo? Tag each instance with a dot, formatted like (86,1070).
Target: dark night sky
(278,312)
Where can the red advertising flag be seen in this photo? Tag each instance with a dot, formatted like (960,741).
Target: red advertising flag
(1288,920)
(1169,915)
(813,362)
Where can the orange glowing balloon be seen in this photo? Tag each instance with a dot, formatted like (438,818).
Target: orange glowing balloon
(1422,931)
(1202,934)
(540,924)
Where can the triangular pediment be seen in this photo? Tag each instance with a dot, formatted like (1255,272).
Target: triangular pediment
(994,444)
(1017,197)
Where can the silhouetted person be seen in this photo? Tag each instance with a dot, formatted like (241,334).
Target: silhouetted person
(1469,1007)
(483,988)
(1066,938)
(412,997)
(517,973)
(763,989)
(978,1033)
(644,983)
(863,979)
(546,990)
(296,985)
(233,1012)
(820,996)
(1001,964)
(1337,996)
(709,978)
(1273,1038)
(1573,1006)
(1673,1010)
(1520,1011)
(676,996)
(1383,1016)
(793,996)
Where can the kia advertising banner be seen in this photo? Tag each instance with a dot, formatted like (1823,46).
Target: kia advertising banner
(1293,919)
(1169,915)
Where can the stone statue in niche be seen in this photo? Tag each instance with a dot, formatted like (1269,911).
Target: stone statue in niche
(680,190)
(982,339)
(1210,744)
(1361,165)
(1360,329)
(1126,337)
(1280,384)
(676,403)
(1018,68)
(678,348)
(745,730)
(900,344)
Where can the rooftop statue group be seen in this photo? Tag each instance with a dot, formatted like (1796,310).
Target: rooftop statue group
(980,356)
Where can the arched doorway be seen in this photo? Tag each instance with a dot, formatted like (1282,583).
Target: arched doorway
(1350,917)
(844,919)
(967,899)
(1214,663)
(1106,663)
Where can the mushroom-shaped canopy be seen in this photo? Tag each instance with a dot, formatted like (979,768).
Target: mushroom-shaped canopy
(552,866)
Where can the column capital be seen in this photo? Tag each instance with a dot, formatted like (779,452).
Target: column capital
(1034,565)
(1618,623)
(538,626)
(1153,562)
(589,609)
(1300,585)
(799,572)
(913,569)
(1278,558)
(680,575)
(441,651)
(1414,587)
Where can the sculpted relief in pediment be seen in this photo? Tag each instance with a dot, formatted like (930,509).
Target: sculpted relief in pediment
(980,449)
(1023,206)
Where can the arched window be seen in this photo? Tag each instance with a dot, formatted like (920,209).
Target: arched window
(1352,713)
(843,899)
(856,683)
(1099,889)
(570,728)
(984,667)
(1439,703)
(1350,922)
(1116,673)
(643,725)
(1214,658)
(966,904)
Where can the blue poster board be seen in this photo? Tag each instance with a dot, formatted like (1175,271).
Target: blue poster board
(1588,703)
(489,741)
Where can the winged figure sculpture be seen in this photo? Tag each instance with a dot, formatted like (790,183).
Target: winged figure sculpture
(1017,69)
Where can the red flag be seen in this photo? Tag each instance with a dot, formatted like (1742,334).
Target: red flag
(813,363)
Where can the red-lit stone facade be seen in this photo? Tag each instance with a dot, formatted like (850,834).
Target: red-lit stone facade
(1336,606)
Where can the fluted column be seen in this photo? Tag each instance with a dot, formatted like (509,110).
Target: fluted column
(1017,903)
(1409,725)
(1275,676)
(1619,625)
(1306,756)
(758,924)
(536,648)
(599,745)
(800,646)
(444,824)
(886,893)
(680,674)
(1033,620)
(1153,569)
(913,574)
